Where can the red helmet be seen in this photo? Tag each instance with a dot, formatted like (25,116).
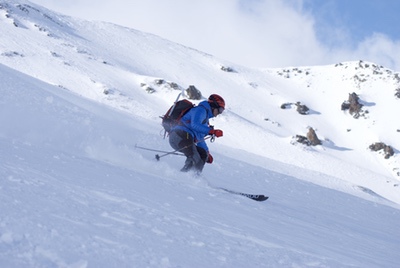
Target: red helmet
(216,101)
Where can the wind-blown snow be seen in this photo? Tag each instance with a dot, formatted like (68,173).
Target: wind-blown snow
(75,192)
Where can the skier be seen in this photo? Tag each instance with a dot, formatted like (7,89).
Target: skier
(188,136)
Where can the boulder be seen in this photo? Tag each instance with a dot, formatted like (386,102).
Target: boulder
(313,138)
(353,105)
(387,149)
(193,93)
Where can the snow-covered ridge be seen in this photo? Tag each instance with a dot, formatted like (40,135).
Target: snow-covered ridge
(116,66)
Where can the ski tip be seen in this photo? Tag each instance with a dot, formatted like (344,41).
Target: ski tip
(261,198)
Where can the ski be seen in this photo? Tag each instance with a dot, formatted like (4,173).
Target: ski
(256,197)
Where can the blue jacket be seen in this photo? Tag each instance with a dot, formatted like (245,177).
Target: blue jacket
(195,122)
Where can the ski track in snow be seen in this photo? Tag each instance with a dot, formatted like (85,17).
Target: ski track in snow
(113,218)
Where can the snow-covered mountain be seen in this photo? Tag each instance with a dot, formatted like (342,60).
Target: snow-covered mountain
(77,96)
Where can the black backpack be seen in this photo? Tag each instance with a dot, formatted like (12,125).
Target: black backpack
(174,114)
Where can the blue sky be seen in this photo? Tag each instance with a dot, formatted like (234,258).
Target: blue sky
(360,18)
(260,33)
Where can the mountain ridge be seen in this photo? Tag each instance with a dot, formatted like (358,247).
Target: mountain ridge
(123,84)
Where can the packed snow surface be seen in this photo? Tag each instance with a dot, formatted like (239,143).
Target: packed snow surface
(79,97)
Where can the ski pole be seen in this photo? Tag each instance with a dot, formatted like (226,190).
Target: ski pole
(173,152)
(154,150)
(176,151)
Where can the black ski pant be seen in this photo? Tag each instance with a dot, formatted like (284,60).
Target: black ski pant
(195,156)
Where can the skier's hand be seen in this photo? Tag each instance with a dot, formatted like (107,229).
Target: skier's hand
(217,132)
(210,159)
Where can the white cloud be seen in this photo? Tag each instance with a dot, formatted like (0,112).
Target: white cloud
(381,49)
(257,33)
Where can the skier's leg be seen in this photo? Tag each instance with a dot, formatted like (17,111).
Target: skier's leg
(200,157)
(183,141)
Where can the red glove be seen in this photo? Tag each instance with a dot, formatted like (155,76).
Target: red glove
(210,159)
(216,132)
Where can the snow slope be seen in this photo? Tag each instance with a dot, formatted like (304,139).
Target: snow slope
(75,192)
